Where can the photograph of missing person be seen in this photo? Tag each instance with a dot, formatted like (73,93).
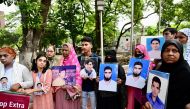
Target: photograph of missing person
(4,84)
(95,62)
(157,89)
(154,46)
(108,77)
(64,75)
(39,85)
(137,72)
(70,77)
(88,71)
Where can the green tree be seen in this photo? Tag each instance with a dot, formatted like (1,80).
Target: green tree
(175,14)
(33,19)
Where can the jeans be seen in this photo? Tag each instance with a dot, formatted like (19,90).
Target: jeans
(85,96)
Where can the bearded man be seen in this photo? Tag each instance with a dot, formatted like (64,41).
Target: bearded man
(107,84)
(136,80)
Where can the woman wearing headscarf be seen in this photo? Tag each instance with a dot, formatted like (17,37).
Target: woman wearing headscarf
(184,37)
(141,52)
(113,100)
(173,63)
(69,57)
(137,97)
(18,75)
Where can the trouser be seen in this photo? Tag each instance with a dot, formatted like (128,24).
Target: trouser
(92,97)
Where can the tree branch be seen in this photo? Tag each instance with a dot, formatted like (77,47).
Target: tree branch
(178,24)
(135,22)
(84,16)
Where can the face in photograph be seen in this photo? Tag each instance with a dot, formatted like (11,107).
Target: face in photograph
(155,89)
(88,65)
(62,74)
(137,69)
(4,83)
(155,44)
(39,85)
(94,61)
(4,80)
(107,73)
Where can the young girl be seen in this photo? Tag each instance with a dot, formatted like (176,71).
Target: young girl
(42,96)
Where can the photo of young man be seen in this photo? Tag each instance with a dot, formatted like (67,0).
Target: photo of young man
(39,86)
(136,80)
(154,53)
(152,97)
(4,85)
(107,83)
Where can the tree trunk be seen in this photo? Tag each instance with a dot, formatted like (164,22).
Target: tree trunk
(29,47)
(32,36)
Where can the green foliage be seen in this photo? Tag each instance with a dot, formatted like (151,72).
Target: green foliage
(68,20)
(8,38)
(32,9)
(175,13)
(138,9)
(76,18)
(151,31)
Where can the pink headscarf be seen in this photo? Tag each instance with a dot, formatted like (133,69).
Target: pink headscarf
(143,50)
(72,60)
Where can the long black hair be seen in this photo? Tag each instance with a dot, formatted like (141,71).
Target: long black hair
(34,63)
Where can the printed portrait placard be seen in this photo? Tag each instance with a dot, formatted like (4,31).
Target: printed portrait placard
(4,84)
(108,77)
(157,88)
(137,72)
(93,59)
(64,75)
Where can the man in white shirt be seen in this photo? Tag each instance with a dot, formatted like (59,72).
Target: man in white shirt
(135,80)
(107,84)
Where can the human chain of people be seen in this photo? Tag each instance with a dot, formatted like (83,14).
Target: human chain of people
(157,77)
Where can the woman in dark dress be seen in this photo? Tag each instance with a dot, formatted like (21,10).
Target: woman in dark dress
(173,62)
(113,100)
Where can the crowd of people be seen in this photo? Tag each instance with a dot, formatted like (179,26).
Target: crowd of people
(174,58)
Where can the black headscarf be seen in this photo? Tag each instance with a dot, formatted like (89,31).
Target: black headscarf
(170,67)
(179,88)
(111,56)
(175,43)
